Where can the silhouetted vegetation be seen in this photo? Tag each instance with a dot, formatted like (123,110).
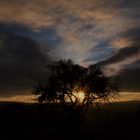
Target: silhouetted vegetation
(72,87)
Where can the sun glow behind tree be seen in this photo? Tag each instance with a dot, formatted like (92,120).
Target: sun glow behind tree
(77,96)
(80,95)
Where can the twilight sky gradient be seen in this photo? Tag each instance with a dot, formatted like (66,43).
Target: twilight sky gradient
(34,32)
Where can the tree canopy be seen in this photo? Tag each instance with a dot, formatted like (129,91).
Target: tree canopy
(72,86)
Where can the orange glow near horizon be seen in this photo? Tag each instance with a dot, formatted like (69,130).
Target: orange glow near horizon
(19,98)
(124,96)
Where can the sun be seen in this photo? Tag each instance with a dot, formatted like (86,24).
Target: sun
(80,95)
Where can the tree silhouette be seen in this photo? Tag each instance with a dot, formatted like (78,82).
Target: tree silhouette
(73,87)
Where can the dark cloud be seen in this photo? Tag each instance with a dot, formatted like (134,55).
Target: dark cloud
(20,57)
(130,79)
(125,63)
(121,55)
(133,34)
(129,75)
(127,53)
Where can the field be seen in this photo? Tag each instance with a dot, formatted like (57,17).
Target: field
(28,121)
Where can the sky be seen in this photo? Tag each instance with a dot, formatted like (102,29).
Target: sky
(36,32)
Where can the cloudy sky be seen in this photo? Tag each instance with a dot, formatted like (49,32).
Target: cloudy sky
(33,32)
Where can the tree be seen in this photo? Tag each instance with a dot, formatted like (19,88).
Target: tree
(73,87)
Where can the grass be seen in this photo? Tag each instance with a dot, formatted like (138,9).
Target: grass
(119,120)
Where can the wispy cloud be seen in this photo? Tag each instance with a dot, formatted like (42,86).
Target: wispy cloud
(87,31)
(81,25)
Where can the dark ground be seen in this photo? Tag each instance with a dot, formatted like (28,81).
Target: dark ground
(28,121)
